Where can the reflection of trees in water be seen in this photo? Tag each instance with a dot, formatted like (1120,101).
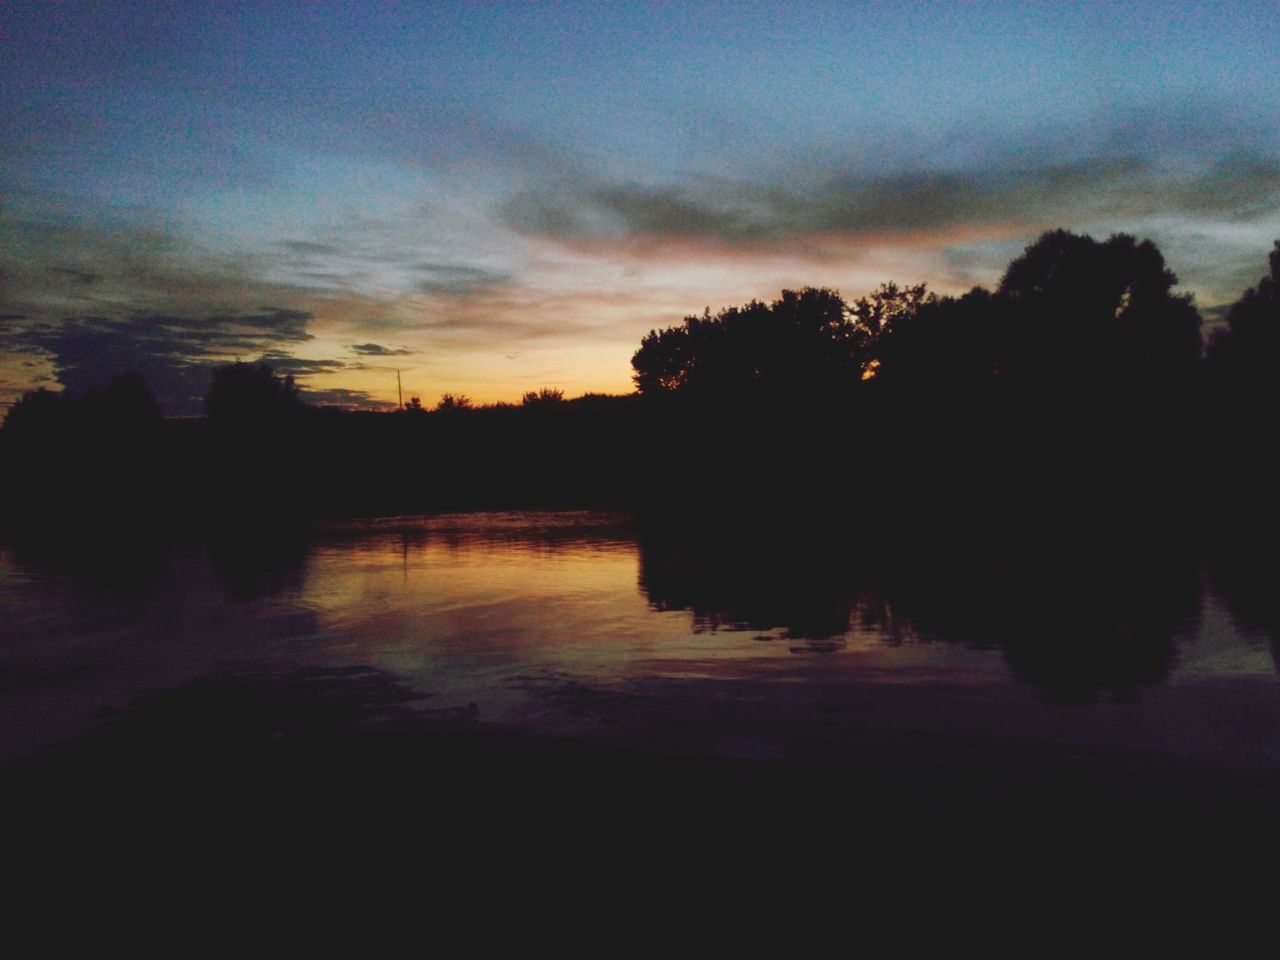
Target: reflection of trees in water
(261,564)
(747,585)
(1247,575)
(1074,623)
(248,564)
(127,562)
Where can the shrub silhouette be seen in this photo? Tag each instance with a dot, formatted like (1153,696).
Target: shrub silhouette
(546,395)
(453,403)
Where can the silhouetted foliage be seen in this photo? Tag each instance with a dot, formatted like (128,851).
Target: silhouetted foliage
(38,411)
(544,396)
(800,344)
(126,402)
(1068,385)
(937,343)
(84,460)
(878,313)
(1083,310)
(1071,310)
(250,394)
(451,403)
(1245,357)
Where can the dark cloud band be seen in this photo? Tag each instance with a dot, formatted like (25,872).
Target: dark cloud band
(173,353)
(749,214)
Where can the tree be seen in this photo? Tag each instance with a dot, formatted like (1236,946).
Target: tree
(930,343)
(251,394)
(543,397)
(1245,357)
(37,412)
(877,312)
(877,316)
(126,402)
(453,402)
(802,343)
(1079,309)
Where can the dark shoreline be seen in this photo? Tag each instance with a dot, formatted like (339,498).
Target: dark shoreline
(294,757)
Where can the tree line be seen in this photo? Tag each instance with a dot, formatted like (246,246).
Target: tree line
(1071,313)
(1080,387)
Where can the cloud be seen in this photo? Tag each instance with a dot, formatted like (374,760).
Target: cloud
(70,258)
(284,363)
(342,397)
(94,295)
(82,277)
(173,353)
(377,350)
(457,280)
(305,247)
(427,249)
(748,214)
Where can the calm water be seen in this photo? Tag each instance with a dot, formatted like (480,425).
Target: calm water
(581,623)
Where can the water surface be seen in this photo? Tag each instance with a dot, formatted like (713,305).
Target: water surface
(588,624)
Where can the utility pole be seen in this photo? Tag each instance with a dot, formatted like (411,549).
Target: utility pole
(399,392)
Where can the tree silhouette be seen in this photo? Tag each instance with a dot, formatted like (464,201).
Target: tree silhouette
(38,411)
(1078,309)
(543,397)
(922,341)
(126,402)
(248,394)
(452,403)
(1244,358)
(802,343)
(877,312)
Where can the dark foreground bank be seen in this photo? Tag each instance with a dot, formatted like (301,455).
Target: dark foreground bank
(333,770)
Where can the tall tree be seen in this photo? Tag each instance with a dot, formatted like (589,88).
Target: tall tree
(1084,310)
(1245,357)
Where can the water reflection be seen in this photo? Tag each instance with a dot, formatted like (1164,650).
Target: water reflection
(532,616)
(744,583)
(258,564)
(1077,623)
(1247,576)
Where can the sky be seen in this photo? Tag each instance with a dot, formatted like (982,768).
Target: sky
(492,198)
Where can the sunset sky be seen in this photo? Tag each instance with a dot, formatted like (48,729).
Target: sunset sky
(493,198)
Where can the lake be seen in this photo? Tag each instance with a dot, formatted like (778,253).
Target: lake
(592,625)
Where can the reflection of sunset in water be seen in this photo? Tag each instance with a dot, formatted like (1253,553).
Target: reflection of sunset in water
(440,603)
(546,619)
